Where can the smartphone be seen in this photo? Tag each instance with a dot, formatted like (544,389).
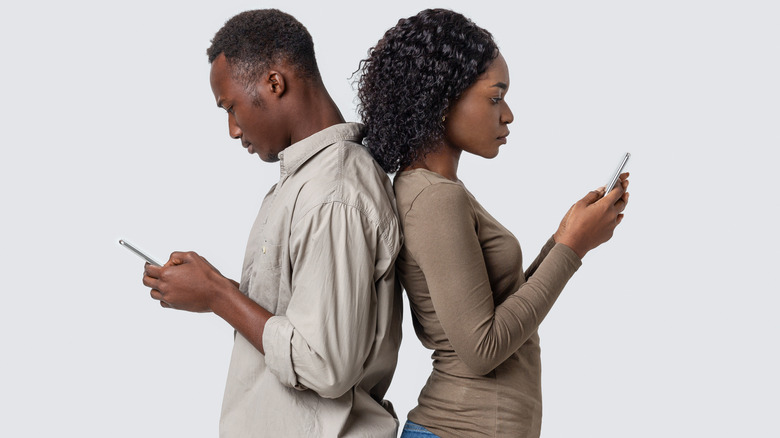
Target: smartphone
(613,181)
(139,253)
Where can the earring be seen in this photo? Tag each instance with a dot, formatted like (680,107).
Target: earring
(443,118)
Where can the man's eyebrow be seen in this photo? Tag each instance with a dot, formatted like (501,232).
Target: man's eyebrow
(500,85)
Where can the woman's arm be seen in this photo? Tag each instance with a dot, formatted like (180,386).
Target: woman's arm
(440,234)
(540,258)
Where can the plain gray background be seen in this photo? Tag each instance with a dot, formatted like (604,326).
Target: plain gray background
(110,130)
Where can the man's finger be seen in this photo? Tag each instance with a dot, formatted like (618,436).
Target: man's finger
(152,271)
(150,282)
(156,295)
(179,257)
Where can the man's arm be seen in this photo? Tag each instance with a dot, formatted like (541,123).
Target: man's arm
(190,282)
(323,340)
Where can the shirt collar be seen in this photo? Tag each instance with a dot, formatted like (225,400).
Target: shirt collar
(295,155)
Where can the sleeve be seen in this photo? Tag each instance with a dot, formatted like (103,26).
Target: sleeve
(540,258)
(325,337)
(440,234)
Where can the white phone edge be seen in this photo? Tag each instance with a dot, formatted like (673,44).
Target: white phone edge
(139,253)
(613,181)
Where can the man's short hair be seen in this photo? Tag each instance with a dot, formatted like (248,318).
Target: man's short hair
(254,40)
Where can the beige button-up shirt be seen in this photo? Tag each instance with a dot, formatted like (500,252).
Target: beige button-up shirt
(320,257)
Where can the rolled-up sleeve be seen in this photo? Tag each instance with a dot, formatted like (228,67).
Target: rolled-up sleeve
(326,335)
(276,342)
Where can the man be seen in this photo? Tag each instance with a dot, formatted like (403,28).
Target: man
(317,313)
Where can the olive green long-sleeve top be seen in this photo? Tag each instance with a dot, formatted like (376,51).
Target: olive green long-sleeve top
(476,308)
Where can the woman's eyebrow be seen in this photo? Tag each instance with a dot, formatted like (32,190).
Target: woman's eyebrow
(501,85)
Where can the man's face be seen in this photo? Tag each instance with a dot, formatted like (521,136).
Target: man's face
(254,113)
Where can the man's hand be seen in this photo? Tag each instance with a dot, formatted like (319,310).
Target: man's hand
(592,220)
(186,282)
(189,282)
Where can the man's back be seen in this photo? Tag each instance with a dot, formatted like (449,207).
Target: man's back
(320,257)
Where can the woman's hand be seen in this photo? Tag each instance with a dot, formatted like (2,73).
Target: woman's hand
(592,220)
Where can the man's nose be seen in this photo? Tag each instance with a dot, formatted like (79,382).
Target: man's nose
(233,129)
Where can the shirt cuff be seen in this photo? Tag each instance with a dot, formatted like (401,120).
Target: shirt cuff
(277,343)
(568,254)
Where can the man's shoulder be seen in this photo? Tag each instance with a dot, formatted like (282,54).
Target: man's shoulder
(357,159)
(344,172)
(345,169)
(344,175)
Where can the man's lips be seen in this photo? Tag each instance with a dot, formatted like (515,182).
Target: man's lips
(248,147)
(502,138)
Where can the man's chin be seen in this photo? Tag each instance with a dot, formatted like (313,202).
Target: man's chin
(269,158)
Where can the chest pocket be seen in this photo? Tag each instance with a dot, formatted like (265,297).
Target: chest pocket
(265,280)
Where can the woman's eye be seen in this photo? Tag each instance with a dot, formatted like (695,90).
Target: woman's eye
(496,99)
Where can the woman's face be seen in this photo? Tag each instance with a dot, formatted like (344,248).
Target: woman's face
(477,121)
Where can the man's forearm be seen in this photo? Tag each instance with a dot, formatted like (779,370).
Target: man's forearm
(245,315)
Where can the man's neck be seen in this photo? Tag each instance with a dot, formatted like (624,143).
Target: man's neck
(316,111)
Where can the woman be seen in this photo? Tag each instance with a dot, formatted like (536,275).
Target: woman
(432,88)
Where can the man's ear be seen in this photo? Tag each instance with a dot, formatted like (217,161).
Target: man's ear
(275,83)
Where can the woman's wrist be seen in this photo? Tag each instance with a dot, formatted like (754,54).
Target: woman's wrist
(564,240)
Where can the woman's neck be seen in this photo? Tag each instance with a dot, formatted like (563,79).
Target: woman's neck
(442,160)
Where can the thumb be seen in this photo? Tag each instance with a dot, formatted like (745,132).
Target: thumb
(594,195)
(174,261)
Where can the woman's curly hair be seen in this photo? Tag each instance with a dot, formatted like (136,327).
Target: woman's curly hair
(410,78)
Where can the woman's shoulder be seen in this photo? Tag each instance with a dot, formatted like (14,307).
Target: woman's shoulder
(424,189)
